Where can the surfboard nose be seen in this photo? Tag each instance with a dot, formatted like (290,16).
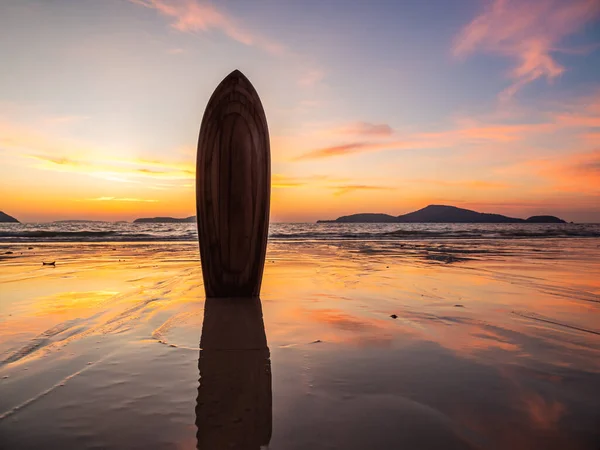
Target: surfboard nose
(237,77)
(236,73)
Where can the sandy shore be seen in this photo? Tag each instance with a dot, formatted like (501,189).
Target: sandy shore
(495,345)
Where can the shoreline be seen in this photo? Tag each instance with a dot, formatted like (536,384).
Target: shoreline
(115,334)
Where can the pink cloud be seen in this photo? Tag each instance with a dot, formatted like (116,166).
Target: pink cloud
(579,117)
(527,31)
(345,149)
(367,129)
(311,78)
(194,16)
(464,135)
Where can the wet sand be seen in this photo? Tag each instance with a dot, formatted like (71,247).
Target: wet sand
(495,345)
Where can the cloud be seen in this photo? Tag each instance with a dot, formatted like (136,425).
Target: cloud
(345,149)
(285,181)
(348,188)
(466,134)
(54,153)
(121,170)
(339,186)
(591,138)
(577,173)
(367,129)
(468,184)
(528,32)
(282,181)
(311,78)
(191,16)
(579,117)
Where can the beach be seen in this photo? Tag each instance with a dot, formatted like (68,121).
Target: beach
(370,343)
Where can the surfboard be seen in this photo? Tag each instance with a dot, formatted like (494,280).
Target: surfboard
(233,189)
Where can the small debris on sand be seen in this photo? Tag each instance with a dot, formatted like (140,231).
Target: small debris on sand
(318,341)
(459,306)
(8,253)
(29,248)
(394,316)
(53,263)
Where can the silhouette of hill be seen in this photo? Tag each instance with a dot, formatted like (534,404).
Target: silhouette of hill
(165,220)
(441,214)
(5,218)
(364,218)
(79,221)
(544,219)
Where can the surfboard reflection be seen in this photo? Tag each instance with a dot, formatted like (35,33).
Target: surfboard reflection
(234,404)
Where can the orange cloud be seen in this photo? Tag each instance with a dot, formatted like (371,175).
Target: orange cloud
(282,181)
(469,184)
(347,188)
(193,16)
(577,173)
(527,31)
(339,186)
(116,169)
(345,149)
(466,134)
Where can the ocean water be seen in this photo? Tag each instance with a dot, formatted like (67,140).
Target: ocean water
(127,232)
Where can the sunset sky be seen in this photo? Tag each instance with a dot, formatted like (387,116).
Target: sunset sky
(373,106)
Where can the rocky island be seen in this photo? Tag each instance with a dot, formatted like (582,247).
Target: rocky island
(441,214)
(5,218)
(191,219)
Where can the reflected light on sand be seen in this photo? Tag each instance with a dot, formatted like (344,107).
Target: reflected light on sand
(234,401)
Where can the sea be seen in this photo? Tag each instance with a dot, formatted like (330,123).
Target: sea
(165,232)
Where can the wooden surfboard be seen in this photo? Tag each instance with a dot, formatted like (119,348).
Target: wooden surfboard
(233,189)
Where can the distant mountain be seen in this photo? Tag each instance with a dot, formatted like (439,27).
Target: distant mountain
(544,219)
(165,220)
(5,218)
(364,218)
(79,221)
(441,214)
(452,214)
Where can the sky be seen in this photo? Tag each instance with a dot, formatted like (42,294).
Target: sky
(373,106)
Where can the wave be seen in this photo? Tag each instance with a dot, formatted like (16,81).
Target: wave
(56,234)
(123,232)
(423,234)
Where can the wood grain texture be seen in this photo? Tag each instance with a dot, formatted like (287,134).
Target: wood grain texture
(233,189)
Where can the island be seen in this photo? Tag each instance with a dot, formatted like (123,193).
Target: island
(79,221)
(5,218)
(191,219)
(441,214)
